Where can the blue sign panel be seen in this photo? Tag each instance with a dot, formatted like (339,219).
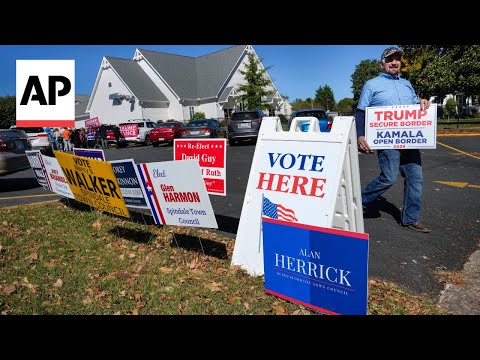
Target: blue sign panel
(96,154)
(129,182)
(321,268)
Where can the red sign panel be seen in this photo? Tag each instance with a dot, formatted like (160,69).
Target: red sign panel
(211,155)
(129,130)
(92,123)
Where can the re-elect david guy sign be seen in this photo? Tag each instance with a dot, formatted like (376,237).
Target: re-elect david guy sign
(323,269)
(401,127)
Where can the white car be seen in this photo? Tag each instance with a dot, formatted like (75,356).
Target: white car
(137,130)
(38,137)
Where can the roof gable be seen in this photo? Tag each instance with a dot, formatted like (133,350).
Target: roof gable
(195,78)
(136,79)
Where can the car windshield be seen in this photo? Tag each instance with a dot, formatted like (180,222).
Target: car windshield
(31,130)
(245,116)
(166,125)
(198,123)
(317,114)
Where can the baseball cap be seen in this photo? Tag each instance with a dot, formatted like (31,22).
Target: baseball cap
(391,50)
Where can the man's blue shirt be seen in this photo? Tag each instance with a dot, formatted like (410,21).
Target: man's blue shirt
(384,90)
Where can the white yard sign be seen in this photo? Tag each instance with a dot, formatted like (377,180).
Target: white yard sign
(176,193)
(401,127)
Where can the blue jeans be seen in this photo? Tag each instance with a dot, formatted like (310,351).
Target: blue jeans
(409,163)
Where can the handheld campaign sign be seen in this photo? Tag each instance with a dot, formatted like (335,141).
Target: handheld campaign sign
(309,178)
(401,127)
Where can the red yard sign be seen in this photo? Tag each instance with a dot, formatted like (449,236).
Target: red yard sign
(211,155)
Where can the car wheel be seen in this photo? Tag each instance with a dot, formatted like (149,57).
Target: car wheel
(147,140)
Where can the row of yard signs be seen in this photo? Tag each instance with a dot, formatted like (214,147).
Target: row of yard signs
(175,192)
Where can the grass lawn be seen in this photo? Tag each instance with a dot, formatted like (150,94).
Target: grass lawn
(65,258)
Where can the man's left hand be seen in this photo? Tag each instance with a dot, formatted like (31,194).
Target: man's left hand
(424,104)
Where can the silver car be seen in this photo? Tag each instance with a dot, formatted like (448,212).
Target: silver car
(13,143)
(39,138)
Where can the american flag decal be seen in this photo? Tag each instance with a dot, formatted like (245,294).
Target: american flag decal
(277,211)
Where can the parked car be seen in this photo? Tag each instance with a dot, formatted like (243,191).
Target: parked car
(137,130)
(322,116)
(244,126)
(166,132)
(203,128)
(38,137)
(13,143)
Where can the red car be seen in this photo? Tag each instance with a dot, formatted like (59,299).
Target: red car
(166,132)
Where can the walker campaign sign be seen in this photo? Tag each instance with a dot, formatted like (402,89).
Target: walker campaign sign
(211,155)
(93,183)
(38,167)
(56,177)
(321,268)
(45,93)
(129,180)
(401,127)
(176,193)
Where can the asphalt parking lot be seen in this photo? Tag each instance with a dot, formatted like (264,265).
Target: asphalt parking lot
(414,261)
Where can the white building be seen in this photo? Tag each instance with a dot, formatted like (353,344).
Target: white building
(160,86)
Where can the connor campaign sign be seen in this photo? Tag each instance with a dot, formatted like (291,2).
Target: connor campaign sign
(211,154)
(401,127)
(321,268)
(93,182)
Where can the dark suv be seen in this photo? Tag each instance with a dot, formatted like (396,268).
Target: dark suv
(244,126)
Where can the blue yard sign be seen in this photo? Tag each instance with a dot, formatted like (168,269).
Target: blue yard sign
(323,269)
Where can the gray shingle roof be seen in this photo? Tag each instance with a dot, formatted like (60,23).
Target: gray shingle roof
(225,93)
(193,78)
(81,102)
(136,79)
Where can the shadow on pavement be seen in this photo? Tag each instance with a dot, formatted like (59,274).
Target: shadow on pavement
(18,184)
(382,205)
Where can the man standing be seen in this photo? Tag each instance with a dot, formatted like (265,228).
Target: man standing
(389,89)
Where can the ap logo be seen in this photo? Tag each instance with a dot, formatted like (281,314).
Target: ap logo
(45,93)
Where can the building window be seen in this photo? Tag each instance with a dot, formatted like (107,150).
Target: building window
(191,110)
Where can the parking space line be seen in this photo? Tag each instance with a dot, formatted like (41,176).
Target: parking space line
(27,196)
(460,151)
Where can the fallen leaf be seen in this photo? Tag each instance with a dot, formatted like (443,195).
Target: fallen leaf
(301,312)
(87,301)
(279,310)
(135,312)
(247,305)
(32,256)
(9,289)
(117,313)
(214,286)
(97,225)
(103,294)
(122,257)
(58,283)
(234,299)
(49,265)
(137,297)
(193,263)
(166,270)
(131,255)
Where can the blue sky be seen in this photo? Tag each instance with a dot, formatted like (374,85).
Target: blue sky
(297,70)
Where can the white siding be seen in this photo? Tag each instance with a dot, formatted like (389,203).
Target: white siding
(210,110)
(155,114)
(103,106)
(175,109)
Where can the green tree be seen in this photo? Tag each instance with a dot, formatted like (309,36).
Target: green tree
(450,108)
(198,115)
(366,70)
(254,91)
(438,70)
(8,113)
(300,104)
(324,97)
(346,106)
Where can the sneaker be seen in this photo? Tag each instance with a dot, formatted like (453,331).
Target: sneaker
(419,227)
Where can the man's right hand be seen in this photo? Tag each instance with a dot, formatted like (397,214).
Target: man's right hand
(363,145)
